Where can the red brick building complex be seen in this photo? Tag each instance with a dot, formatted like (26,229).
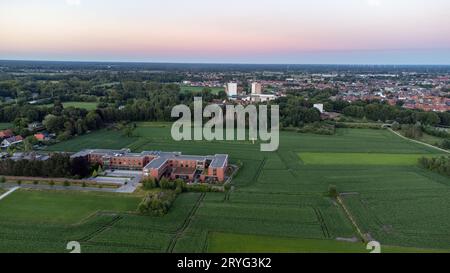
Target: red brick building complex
(156,164)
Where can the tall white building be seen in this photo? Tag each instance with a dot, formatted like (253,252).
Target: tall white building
(256,88)
(232,89)
(319,107)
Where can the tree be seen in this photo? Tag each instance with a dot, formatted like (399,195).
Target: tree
(332,191)
(53,123)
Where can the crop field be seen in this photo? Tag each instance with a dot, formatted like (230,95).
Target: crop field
(252,243)
(359,159)
(279,202)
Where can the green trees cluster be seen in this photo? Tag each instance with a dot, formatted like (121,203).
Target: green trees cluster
(157,204)
(177,185)
(296,112)
(377,111)
(437,164)
(58,165)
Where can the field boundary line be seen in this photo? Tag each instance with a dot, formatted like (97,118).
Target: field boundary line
(8,192)
(352,220)
(186,224)
(101,229)
(418,142)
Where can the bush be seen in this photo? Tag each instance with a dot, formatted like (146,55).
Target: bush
(66,183)
(35,182)
(83,185)
(2,179)
(149,183)
(227,187)
(52,183)
(332,191)
(157,204)
(19,182)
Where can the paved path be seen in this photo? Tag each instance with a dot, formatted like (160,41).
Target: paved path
(8,192)
(419,142)
(60,188)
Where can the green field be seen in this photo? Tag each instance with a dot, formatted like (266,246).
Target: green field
(276,194)
(199,89)
(4,125)
(359,159)
(220,242)
(82,105)
(61,207)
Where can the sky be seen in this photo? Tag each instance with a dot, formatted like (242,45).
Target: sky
(228,31)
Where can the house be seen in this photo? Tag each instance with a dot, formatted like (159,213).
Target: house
(35,126)
(43,136)
(11,141)
(6,134)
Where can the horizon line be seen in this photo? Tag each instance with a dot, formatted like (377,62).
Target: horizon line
(213,63)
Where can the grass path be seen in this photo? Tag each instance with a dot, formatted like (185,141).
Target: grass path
(419,142)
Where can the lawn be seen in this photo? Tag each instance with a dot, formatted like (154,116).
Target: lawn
(359,159)
(61,207)
(228,243)
(83,105)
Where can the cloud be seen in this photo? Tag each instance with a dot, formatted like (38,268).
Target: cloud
(73,2)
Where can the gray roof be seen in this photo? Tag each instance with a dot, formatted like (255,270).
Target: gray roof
(219,161)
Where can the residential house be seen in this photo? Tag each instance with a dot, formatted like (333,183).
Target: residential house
(11,141)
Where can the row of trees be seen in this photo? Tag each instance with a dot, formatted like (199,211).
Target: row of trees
(57,166)
(377,111)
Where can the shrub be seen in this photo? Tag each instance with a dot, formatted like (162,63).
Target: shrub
(227,187)
(149,183)
(66,183)
(83,184)
(52,183)
(332,191)
(2,179)
(35,182)
(19,182)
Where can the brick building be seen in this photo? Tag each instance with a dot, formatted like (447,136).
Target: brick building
(157,164)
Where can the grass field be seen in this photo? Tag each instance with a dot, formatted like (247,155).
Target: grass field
(4,125)
(199,89)
(276,194)
(61,207)
(82,105)
(359,159)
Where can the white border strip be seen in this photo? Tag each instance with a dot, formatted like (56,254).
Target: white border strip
(9,192)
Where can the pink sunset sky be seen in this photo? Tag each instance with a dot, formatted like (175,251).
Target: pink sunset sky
(238,31)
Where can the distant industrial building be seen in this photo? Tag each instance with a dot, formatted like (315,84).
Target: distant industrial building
(232,89)
(256,88)
(158,164)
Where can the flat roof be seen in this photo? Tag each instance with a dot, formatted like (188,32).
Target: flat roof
(219,161)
